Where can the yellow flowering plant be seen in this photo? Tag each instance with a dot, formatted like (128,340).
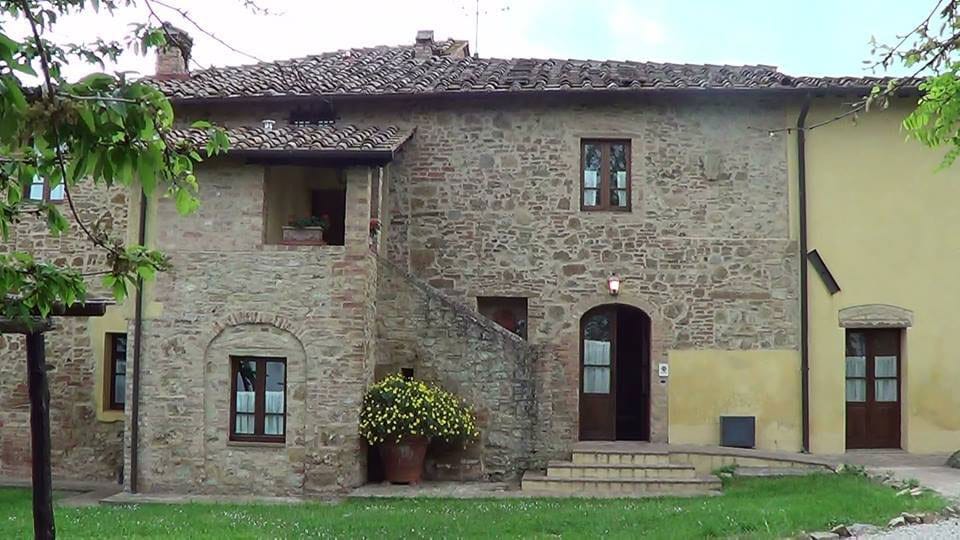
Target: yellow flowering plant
(397,406)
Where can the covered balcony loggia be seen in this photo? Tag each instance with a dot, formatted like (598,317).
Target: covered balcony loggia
(322,184)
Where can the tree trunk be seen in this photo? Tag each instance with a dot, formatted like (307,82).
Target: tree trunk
(43,526)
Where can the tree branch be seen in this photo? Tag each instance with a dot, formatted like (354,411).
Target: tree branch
(861,105)
(98,98)
(51,95)
(889,56)
(186,16)
(166,33)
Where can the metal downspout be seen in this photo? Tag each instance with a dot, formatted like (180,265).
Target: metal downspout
(137,356)
(804,302)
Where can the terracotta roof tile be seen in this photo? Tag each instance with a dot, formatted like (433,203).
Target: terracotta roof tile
(326,138)
(395,70)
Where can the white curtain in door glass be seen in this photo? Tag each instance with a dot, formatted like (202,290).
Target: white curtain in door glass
(885,390)
(596,367)
(596,353)
(885,366)
(856,390)
(856,366)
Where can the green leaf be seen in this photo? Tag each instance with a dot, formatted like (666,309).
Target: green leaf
(147,169)
(87,116)
(146,272)
(186,202)
(55,221)
(16,95)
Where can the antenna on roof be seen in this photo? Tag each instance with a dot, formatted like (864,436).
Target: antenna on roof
(476,23)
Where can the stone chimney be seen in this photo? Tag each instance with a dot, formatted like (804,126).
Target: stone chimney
(423,46)
(173,59)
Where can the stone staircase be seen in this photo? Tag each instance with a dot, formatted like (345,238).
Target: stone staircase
(608,472)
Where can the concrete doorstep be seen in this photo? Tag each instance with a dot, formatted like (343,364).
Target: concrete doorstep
(125,499)
(71,493)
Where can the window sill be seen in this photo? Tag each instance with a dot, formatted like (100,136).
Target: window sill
(300,247)
(109,416)
(257,444)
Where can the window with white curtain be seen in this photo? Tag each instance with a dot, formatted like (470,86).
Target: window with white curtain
(258,406)
(597,342)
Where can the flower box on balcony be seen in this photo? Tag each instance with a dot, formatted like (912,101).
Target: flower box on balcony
(303,236)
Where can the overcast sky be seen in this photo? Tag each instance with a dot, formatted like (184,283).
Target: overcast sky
(801,37)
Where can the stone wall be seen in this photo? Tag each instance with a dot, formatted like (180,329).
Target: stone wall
(230,294)
(82,446)
(492,369)
(485,201)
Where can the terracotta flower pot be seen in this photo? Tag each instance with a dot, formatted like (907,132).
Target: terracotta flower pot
(403,461)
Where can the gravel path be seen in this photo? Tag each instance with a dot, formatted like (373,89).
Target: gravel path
(949,529)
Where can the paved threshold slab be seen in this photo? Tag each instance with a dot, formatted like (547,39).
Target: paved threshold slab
(142,498)
(452,490)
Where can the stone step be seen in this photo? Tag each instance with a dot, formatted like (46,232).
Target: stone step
(620,458)
(539,484)
(566,469)
(777,471)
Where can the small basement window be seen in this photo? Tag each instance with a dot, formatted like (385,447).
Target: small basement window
(509,312)
(304,206)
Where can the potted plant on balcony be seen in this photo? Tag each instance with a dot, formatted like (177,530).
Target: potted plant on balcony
(308,230)
(401,415)
(374,232)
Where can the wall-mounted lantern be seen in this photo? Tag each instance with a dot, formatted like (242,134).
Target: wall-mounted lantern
(613,284)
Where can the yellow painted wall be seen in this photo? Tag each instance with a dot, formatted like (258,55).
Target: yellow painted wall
(118,318)
(115,320)
(705,384)
(888,226)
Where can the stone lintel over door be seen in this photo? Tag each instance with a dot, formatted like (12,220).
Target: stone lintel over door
(875,316)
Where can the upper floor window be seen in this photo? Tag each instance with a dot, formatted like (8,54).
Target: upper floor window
(319,114)
(41,191)
(605,175)
(258,409)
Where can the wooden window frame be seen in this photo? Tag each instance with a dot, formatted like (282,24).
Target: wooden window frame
(604,181)
(259,409)
(46,194)
(110,350)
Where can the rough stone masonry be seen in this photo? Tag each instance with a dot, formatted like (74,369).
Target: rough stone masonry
(484,200)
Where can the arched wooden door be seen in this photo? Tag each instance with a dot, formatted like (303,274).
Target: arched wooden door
(615,374)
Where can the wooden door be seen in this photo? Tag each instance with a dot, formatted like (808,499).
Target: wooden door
(598,353)
(633,375)
(873,388)
(332,204)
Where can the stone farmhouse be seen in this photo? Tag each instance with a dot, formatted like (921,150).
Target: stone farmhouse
(789,285)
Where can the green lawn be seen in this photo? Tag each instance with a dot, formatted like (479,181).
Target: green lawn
(750,508)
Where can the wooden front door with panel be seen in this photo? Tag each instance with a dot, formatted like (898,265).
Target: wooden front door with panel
(873,390)
(615,374)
